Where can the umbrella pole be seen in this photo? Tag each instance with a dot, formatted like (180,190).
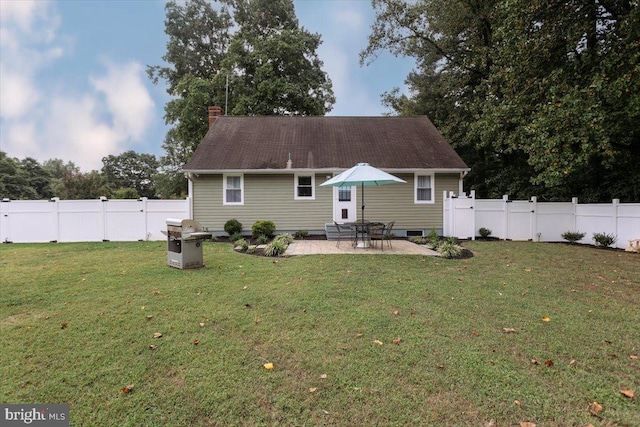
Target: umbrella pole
(362,216)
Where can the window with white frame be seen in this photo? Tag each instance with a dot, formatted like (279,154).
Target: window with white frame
(424,188)
(233,189)
(304,185)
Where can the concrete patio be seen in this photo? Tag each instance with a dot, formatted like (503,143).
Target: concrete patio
(314,247)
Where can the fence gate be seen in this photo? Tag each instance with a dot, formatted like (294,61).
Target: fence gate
(520,217)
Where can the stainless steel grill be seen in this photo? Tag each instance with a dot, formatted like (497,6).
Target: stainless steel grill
(184,243)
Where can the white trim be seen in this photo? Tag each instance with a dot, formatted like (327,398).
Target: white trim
(415,188)
(224,189)
(295,186)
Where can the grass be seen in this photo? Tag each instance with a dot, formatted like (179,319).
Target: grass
(321,315)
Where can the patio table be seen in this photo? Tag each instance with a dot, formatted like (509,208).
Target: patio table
(362,228)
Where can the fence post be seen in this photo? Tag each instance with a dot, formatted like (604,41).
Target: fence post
(56,215)
(534,220)
(505,210)
(144,213)
(574,201)
(472,195)
(103,217)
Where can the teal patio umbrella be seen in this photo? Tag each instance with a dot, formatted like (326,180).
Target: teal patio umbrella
(362,174)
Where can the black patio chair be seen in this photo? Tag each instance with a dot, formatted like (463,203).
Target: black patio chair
(346,232)
(381,232)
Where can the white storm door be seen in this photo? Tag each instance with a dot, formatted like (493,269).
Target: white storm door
(344,204)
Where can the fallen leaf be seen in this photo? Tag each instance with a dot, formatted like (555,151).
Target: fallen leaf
(378,342)
(127,389)
(508,330)
(517,403)
(475,333)
(149,317)
(313,389)
(628,393)
(535,362)
(396,312)
(548,363)
(64,325)
(546,319)
(268,366)
(247,305)
(201,325)
(153,346)
(157,335)
(633,356)
(196,342)
(595,408)
(359,335)
(323,376)
(572,363)
(528,270)
(608,341)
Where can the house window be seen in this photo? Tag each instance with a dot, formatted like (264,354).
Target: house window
(304,185)
(424,188)
(344,194)
(233,189)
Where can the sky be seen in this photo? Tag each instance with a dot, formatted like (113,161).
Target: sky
(73,84)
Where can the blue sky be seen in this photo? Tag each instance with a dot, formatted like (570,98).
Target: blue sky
(73,84)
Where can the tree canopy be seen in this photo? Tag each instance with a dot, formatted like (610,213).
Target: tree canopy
(539,98)
(250,56)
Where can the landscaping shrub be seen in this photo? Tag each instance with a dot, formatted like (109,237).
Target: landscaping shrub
(484,232)
(573,236)
(242,243)
(276,248)
(262,239)
(263,227)
(449,250)
(285,237)
(233,226)
(604,240)
(418,240)
(236,236)
(301,234)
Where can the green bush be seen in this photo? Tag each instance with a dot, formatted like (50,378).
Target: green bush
(301,234)
(263,227)
(573,236)
(433,235)
(275,248)
(235,236)
(262,239)
(233,226)
(242,243)
(418,240)
(604,240)
(286,238)
(449,250)
(484,232)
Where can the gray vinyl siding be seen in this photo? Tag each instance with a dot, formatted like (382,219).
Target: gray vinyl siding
(267,197)
(271,197)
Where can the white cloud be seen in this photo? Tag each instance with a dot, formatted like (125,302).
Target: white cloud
(127,98)
(56,119)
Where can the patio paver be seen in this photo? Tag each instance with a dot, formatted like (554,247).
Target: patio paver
(315,247)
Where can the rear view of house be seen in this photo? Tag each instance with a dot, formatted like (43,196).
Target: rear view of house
(271,168)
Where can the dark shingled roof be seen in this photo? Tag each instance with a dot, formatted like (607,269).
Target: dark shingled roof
(265,142)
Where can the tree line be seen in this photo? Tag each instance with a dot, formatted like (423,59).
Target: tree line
(129,175)
(539,97)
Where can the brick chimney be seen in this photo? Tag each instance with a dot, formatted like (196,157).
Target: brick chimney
(214,112)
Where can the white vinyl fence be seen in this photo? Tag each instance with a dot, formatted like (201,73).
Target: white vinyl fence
(463,216)
(55,220)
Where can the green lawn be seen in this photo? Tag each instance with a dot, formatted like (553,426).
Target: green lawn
(75,328)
